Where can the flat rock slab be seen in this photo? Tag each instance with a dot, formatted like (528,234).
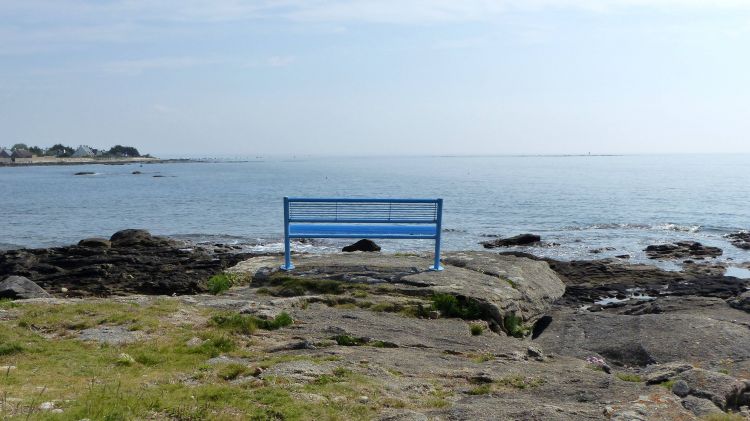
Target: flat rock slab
(19,287)
(111,335)
(500,285)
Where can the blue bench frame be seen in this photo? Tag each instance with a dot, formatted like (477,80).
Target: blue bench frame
(306,217)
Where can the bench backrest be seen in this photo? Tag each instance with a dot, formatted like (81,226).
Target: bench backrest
(394,211)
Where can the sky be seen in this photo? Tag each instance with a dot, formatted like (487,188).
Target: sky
(377,77)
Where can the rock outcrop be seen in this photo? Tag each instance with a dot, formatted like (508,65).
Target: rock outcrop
(132,261)
(19,287)
(682,250)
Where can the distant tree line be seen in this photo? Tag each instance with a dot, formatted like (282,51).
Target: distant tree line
(62,151)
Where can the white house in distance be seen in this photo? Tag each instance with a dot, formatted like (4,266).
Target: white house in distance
(83,152)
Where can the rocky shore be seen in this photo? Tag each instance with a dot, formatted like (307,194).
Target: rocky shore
(371,335)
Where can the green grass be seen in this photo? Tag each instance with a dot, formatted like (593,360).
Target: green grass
(159,377)
(520,382)
(288,286)
(476,329)
(451,306)
(348,340)
(10,347)
(483,389)
(232,371)
(667,384)
(247,325)
(725,417)
(627,377)
(513,326)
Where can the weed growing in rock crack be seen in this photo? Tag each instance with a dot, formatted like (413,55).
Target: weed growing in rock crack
(513,325)
(483,358)
(450,306)
(221,282)
(288,286)
(627,377)
(348,340)
(476,329)
(481,389)
(667,384)
(241,323)
(520,382)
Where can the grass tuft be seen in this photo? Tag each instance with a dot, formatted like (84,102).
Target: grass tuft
(514,326)
(476,329)
(10,348)
(450,306)
(627,377)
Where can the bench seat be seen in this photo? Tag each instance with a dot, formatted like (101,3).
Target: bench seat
(362,231)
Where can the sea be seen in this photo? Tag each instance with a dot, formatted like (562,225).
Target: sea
(616,205)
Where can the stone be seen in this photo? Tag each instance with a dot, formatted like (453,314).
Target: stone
(720,388)
(194,342)
(660,373)
(19,287)
(681,250)
(741,302)
(95,243)
(681,388)
(136,172)
(535,353)
(740,239)
(518,240)
(111,335)
(130,237)
(362,245)
(700,407)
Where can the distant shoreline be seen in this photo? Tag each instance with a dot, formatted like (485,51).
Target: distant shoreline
(89,161)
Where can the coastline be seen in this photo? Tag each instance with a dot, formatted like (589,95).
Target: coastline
(369,335)
(92,161)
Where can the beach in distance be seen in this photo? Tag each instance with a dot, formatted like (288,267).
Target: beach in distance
(581,206)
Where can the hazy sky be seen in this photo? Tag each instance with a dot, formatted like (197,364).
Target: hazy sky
(377,76)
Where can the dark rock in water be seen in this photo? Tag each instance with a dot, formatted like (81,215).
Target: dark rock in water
(159,176)
(137,263)
(95,243)
(601,250)
(740,239)
(518,240)
(681,250)
(85,173)
(19,287)
(136,172)
(623,256)
(362,245)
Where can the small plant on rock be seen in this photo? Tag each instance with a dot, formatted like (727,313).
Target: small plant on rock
(476,329)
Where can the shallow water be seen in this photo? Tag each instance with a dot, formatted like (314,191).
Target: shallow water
(581,203)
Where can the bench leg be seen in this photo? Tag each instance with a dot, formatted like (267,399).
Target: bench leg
(287,255)
(436,265)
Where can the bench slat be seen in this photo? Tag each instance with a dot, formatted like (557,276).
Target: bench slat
(324,230)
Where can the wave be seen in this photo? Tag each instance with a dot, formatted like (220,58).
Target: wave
(645,227)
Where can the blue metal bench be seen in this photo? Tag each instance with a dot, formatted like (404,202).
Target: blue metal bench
(362,218)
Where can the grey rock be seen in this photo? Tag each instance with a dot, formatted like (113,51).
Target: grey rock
(681,388)
(19,287)
(741,302)
(740,239)
(112,335)
(660,373)
(700,407)
(720,388)
(535,353)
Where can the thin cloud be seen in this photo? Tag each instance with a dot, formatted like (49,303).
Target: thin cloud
(136,67)
(280,61)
